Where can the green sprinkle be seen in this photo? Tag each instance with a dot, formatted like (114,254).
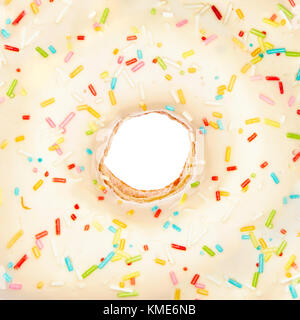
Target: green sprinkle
(161,63)
(253,175)
(89,132)
(208,250)
(270,218)
(153,11)
(281,247)
(257,33)
(285,11)
(292,54)
(89,271)
(41,52)
(104,15)
(293,135)
(195,184)
(10,91)
(134,259)
(255,279)
(94,181)
(128,294)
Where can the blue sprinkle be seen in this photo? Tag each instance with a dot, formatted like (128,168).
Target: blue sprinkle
(270,239)
(216,77)
(7,277)
(106,260)
(166,225)
(176,227)
(245,237)
(5,33)
(113,83)
(8,21)
(219,97)
(170,108)
(176,213)
(69,264)
(203,130)
(219,248)
(154,208)
(275,178)
(251,44)
(261,263)
(259,247)
(131,246)
(82,168)
(52,49)
(285,200)
(40,159)
(298,75)
(220,124)
(115,245)
(17,191)
(261,55)
(235,283)
(139,54)
(293,291)
(294,196)
(10,265)
(89,151)
(278,50)
(202,253)
(112,229)
(30,159)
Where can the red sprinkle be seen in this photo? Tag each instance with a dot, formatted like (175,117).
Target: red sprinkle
(146,248)
(264,164)
(298,112)
(19,18)
(203,38)
(218,197)
(86,227)
(154,60)
(10,48)
(272,78)
(46,174)
(100,198)
(231,168)
(157,213)
(214,178)
(73,217)
(241,33)
(76,206)
(129,38)
(280,84)
(252,137)
(217,12)
(132,281)
(41,234)
(205,122)
(292,3)
(177,246)
(245,183)
(195,279)
(20,262)
(26,117)
(57,226)
(80,37)
(92,89)
(129,62)
(283,231)
(297,156)
(71,166)
(274,16)
(61,180)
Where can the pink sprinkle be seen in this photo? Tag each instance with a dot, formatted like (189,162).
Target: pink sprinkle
(210,39)
(15,286)
(38,2)
(69,117)
(2,99)
(68,56)
(120,59)
(291,101)
(39,244)
(58,150)
(181,23)
(256,78)
(35,170)
(200,286)
(50,122)
(78,169)
(96,24)
(173,278)
(138,66)
(266,99)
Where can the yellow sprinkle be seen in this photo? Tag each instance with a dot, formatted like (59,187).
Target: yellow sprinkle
(97,225)
(130,212)
(34,8)
(256,60)
(38,184)
(135,30)
(288,275)
(82,107)
(224,193)
(93,112)
(262,243)
(104,74)
(112,97)
(202,31)
(217,115)
(54,147)
(124,254)
(267,256)
(192,70)
(116,257)
(131,275)
(40,285)
(98,28)
(246,67)
(227,154)
(248,228)
(188,54)
(222,87)
(252,120)
(239,13)
(121,284)
(283,22)
(69,45)
(253,240)
(3,144)
(19,138)
(272,123)
(290,262)
(116,51)
(183,198)
(213,124)
(202,291)
(36,252)
(269,45)
(60,140)
(177,294)
(12,241)
(261,44)
(269,250)
(93,126)
(270,22)
(117,236)
(246,188)
(122,244)
(120,223)
(159,44)
(231,83)
(240,131)
(160,261)
(181,96)
(255,52)
(239,43)
(143,106)
(76,71)
(168,77)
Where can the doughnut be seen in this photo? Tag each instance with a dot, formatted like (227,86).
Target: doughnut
(150,150)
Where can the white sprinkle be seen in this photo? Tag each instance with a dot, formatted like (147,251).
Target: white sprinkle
(76,96)
(62,158)
(54,248)
(171,62)
(117,288)
(290,279)
(35,35)
(228,13)
(128,78)
(199,237)
(92,14)
(61,14)
(57,283)
(174,95)
(211,278)
(167,14)
(213,103)
(23,33)
(187,115)
(170,258)
(194,5)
